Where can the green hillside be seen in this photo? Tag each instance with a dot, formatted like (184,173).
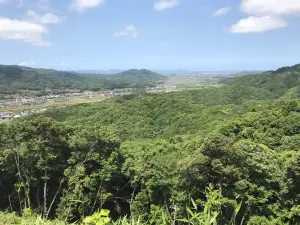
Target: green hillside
(227,156)
(162,115)
(24,78)
(14,78)
(134,78)
(277,82)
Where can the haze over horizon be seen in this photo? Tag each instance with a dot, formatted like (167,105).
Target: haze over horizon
(230,35)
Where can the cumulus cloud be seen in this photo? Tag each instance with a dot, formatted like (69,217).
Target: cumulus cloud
(222,11)
(28,63)
(165,4)
(271,7)
(83,5)
(129,30)
(23,30)
(47,18)
(254,24)
(31,29)
(265,15)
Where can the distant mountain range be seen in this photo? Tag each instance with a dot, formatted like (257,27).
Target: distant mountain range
(111,71)
(173,72)
(14,78)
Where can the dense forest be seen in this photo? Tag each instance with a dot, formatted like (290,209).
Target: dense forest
(16,78)
(227,155)
(277,82)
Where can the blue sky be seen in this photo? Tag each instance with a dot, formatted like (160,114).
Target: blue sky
(153,34)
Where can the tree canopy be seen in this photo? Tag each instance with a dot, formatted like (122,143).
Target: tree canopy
(227,155)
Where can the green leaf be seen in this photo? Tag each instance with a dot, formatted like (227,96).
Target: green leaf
(77,201)
(190,212)
(153,218)
(194,204)
(104,212)
(183,220)
(238,208)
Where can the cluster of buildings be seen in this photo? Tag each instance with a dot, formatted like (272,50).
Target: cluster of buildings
(5,116)
(160,88)
(20,101)
(17,100)
(10,115)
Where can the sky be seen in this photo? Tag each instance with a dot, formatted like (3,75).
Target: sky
(204,35)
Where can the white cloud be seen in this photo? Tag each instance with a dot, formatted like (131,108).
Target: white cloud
(165,4)
(265,15)
(83,5)
(47,18)
(129,30)
(271,7)
(222,11)
(22,30)
(254,24)
(28,63)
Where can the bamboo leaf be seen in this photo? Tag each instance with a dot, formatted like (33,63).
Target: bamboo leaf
(238,208)
(194,204)
(190,212)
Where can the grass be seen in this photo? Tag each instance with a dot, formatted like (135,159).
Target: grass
(208,216)
(13,219)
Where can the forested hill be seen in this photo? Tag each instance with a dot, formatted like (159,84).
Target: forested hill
(134,78)
(226,156)
(162,115)
(14,78)
(25,78)
(277,82)
(147,156)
